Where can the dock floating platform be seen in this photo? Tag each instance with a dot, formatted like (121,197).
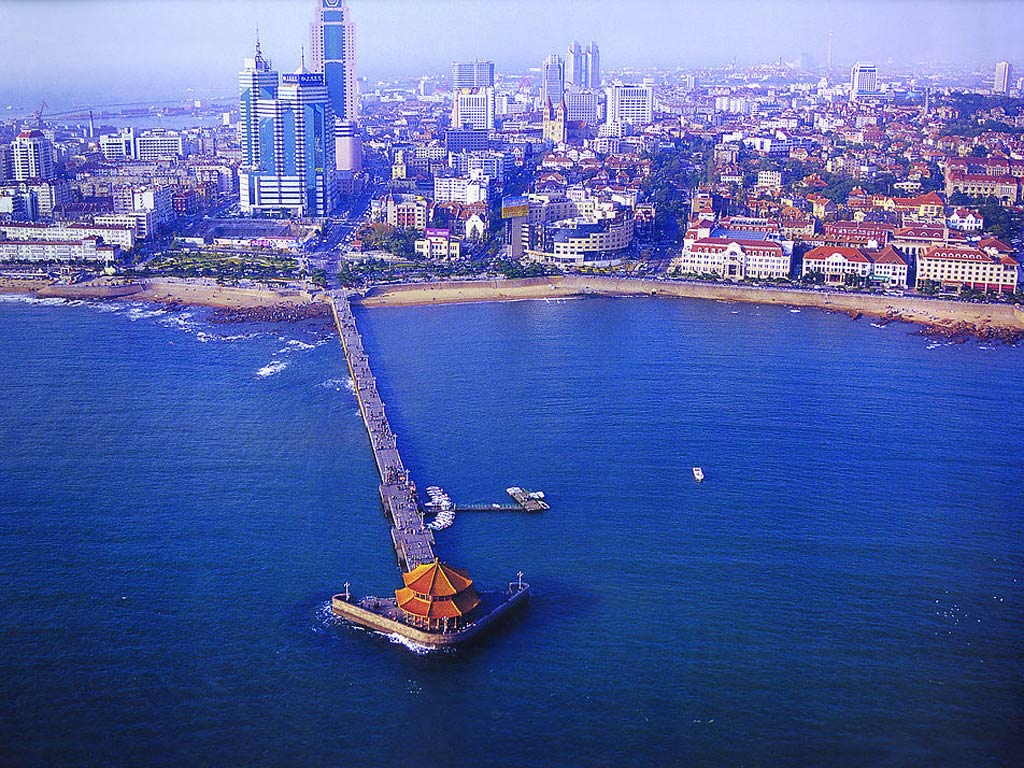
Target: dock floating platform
(531,501)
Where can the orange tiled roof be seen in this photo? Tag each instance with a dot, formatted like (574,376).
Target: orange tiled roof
(458,605)
(437,579)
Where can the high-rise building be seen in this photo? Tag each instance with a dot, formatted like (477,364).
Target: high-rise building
(473,108)
(552,80)
(1002,78)
(257,82)
(473,95)
(575,66)
(863,80)
(287,132)
(32,156)
(630,104)
(592,66)
(473,74)
(581,105)
(333,55)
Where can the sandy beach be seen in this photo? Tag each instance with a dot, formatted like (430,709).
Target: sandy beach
(929,312)
(197,291)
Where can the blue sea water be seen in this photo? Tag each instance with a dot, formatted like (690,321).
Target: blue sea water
(179,500)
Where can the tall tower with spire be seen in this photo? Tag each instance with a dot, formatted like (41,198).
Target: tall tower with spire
(333,54)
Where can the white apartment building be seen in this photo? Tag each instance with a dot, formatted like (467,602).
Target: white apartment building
(32,157)
(142,223)
(86,249)
(122,237)
(159,145)
(458,189)
(630,104)
(473,108)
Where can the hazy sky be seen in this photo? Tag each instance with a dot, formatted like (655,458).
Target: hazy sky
(69,48)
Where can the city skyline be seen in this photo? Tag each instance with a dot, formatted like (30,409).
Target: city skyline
(400,38)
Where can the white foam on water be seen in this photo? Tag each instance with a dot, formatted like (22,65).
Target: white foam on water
(325,618)
(350,385)
(205,337)
(409,645)
(137,313)
(333,384)
(111,307)
(271,368)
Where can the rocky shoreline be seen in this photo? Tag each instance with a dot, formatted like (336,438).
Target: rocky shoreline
(277,313)
(958,332)
(961,332)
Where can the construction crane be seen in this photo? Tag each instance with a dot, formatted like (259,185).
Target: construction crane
(38,114)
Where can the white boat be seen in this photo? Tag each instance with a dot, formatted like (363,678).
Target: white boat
(698,474)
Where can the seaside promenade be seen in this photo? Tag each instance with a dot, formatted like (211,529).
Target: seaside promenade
(413,541)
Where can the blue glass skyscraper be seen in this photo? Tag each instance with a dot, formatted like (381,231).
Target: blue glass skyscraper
(333,54)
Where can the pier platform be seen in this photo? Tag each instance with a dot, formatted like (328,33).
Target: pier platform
(382,614)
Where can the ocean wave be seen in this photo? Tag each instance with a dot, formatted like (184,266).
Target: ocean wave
(294,345)
(110,307)
(333,384)
(205,337)
(274,366)
(139,313)
(24,298)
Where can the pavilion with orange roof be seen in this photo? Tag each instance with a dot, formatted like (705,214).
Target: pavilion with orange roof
(437,597)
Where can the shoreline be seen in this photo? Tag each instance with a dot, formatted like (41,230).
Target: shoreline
(202,292)
(937,317)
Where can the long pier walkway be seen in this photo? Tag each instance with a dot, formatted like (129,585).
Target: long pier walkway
(413,541)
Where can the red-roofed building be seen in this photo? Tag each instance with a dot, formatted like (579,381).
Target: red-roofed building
(1006,188)
(734,259)
(859,233)
(960,266)
(836,263)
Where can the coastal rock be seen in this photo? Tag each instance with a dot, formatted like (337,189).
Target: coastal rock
(960,332)
(278,313)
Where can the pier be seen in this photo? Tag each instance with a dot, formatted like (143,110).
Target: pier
(438,606)
(413,541)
